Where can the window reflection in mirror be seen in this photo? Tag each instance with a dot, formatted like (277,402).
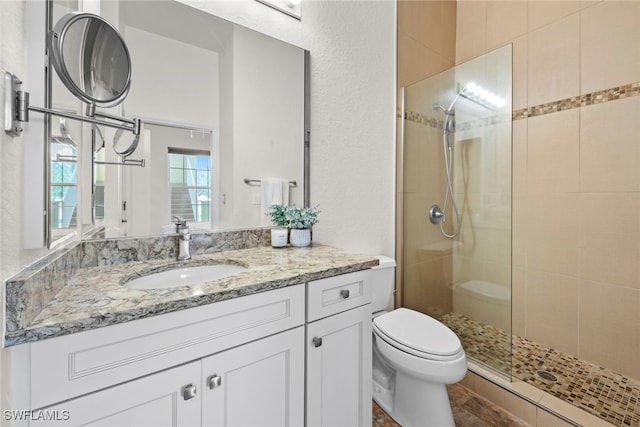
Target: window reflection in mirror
(98,144)
(64,183)
(190,185)
(64,146)
(180,178)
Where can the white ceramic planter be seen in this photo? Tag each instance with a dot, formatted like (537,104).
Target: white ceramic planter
(279,237)
(300,238)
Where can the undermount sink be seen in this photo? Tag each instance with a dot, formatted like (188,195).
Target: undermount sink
(184,276)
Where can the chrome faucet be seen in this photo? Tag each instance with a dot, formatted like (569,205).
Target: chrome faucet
(184,236)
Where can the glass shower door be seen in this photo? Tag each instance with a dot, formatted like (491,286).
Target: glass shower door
(457,155)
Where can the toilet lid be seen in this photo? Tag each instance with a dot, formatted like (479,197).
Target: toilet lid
(418,332)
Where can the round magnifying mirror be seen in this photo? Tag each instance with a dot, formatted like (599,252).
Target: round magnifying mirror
(125,143)
(91,58)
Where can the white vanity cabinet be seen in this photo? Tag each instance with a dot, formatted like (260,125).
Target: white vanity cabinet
(257,384)
(157,400)
(294,356)
(339,351)
(158,371)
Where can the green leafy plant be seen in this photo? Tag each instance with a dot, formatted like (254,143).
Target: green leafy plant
(293,216)
(278,215)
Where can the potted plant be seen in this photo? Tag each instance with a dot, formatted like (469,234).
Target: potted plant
(299,220)
(279,234)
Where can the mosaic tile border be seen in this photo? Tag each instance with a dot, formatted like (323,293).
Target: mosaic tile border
(608,395)
(597,97)
(434,123)
(422,119)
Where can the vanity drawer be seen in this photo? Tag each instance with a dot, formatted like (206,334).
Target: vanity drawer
(72,365)
(326,297)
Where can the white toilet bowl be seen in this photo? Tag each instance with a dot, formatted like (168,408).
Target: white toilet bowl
(415,356)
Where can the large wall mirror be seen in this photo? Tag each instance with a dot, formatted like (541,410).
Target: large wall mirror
(220,104)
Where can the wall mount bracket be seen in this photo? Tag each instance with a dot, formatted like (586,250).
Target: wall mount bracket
(16,107)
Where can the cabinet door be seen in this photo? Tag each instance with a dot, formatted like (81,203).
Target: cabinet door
(155,401)
(256,384)
(339,369)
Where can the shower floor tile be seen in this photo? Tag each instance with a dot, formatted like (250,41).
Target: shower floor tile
(598,391)
(469,410)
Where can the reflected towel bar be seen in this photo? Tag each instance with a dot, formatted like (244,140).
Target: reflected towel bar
(292,183)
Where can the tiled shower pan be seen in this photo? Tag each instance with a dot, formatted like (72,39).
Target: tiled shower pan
(608,395)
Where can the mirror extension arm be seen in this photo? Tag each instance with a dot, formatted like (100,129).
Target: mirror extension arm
(16,103)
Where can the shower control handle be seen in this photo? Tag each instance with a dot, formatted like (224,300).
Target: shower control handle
(435,214)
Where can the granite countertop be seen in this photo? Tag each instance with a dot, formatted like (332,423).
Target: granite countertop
(95,296)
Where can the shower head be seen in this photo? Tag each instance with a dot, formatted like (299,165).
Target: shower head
(439,107)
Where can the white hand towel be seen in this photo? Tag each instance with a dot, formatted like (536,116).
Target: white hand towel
(274,191)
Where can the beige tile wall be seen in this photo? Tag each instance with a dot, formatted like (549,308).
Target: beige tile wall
(576,179)
(426,46)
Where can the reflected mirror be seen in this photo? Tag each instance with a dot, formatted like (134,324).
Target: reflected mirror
(219,104)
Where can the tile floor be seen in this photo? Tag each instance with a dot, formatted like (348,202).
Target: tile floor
(598,391)
(469,410)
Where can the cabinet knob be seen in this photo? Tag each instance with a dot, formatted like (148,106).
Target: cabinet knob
(214,381)
(317,341)
(344,294)
(189,391)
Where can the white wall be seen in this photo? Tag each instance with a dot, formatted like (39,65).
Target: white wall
(150,52)
(352,46)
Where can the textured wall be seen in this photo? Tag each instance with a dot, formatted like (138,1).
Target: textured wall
(12,256)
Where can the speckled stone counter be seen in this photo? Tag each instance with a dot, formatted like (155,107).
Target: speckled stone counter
(95,296)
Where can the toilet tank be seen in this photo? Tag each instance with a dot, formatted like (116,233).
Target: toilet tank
(383,278)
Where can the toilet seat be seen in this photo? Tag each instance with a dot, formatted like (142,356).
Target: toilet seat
(417,334)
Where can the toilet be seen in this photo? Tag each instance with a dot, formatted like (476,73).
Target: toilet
(414,357)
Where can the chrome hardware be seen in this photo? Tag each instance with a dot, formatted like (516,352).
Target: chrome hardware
(189,391)
(179,222)
(317,341)
(435,214)
(344,293)
(184,252)
(214,381)
(11,104)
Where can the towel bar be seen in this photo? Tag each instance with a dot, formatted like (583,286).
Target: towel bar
(248,181)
